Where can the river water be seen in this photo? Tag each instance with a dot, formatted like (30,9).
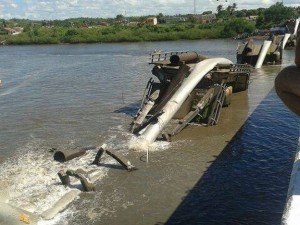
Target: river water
(63,96)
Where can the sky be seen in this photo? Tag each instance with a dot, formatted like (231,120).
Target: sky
(63,9)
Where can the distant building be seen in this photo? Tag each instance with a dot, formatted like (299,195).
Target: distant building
(12,31)
(151,21)
(175,19)
(251,18)
(105,24)
(133,23)
(206,18)
(207,13)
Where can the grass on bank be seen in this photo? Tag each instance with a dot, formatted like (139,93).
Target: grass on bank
(117,33)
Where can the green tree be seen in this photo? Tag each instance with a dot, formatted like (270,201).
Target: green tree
(234,6)
(120,18)
(160,18)
(237,26)
(192,19)
(224,14)
(260,21)
(219,8)
(241,13)
(278,13)
(231,8)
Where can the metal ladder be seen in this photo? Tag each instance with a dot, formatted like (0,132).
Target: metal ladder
(217,105)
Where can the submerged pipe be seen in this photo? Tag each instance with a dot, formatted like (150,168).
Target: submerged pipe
(172,106)
(262,54)
(296,26)
(285,39)
(188,57)
(60,205)
(121,159)
(66,155)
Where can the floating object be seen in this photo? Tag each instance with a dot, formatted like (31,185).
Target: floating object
(117,156)
(82,175)
(60,205)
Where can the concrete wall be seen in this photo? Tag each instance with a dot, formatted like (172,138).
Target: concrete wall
(291,215)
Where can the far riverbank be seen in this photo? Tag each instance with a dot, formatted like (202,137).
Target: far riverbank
(117,33)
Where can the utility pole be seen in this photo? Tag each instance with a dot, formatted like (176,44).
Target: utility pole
(194,7)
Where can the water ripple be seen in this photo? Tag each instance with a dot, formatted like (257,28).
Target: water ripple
(248,182)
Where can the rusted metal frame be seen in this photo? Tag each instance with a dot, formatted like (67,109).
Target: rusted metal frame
(146,95)
(147,91)
(248,78)
(163,56)
(173,87)
(143,112)
(192,114)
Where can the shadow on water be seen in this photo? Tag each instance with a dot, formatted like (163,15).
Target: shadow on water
(247,183)
(130,109)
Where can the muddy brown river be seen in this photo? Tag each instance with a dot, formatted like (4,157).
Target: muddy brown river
(236,172)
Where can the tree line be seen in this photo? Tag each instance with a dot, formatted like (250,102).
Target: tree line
(274,15)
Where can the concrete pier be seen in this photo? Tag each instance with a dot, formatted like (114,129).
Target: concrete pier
(291,215)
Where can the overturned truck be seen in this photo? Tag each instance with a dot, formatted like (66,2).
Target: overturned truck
(191,89)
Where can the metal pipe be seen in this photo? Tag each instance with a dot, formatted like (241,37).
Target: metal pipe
(172,106)
(60,205)
(296,26)
(121,159)
(285,39)
(187,57)
(262,54)
(66,155)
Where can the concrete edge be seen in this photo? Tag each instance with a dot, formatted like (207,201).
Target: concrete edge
(291,214)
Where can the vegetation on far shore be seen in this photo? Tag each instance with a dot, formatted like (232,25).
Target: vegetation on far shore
(229,22)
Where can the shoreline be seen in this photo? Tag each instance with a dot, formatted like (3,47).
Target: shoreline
(112,42)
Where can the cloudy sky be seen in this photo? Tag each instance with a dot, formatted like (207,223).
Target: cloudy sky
(62,9)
